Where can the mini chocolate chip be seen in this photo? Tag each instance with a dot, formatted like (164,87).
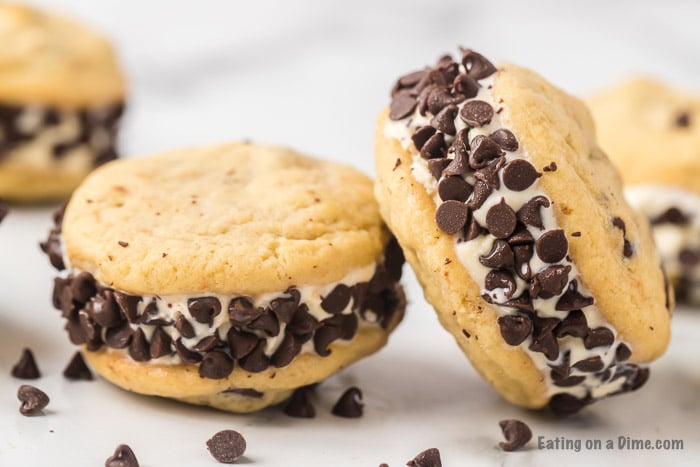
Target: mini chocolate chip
(483,150)
(599,337)
(543,339)
(466,86)
(33,399)
(77,369)
(411,79)
(242,312)
(523,254)
(267,322)
(489,174)
(575,234)
(227,446)
(589,365)
(26,367)
(284,307)
(83,287)
(128,304)
(90,328)
(530,214)
(519,174)
(552,167)
(119,337)
(428,458)
(562,370)
(123,244)
(689,258)
(516,433)
(515,328)
(622,353)
(422,135)
(103,309)
(303,322)
(299,405)
(204,309)
(123,457)
(550,282)
(500,279)
(184,327)
(439,98)
(682,120)
(402,105)
(521,236)
(287,350)
(139,348)
(444,121)
(473,230)
(574,325)
(501,220)
(437,166)
(570,381)
(620,224)
(205,344)
(476,113)
(52,247)
(434,147)
(627,249)
(459,165)
(256,361)
(337,300)
(672,215)
(477,66)
(454,188)
(500,256)
(572,299)
(479,196)
(185,354)
(552,246)
(160,343)
(75,331)
(393,261)
(566,404)
(215,365)
(641,376)
(505,139)
(350,404)
(451,216)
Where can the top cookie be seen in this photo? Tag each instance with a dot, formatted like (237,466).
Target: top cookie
(237,217)
(52,60)
(651,131)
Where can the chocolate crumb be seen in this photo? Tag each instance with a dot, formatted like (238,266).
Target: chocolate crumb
(123,457)
(516,433)
(575,234)
(350,404)
(552,167)
(299,405)
(77,369)
(428,458)
(26,367)
(398,163)
(226,446)
(123,244)
(33,399)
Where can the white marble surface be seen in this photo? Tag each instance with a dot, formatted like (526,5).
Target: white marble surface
(313,75)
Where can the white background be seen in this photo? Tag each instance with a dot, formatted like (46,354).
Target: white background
(313,75)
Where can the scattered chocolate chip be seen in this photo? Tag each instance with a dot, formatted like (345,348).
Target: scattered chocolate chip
(515,328)
(620,224)
(516,433)
(454,188)
(530,214)
(500,279)
(77,369)
(550,282)
(519,174)
(215,365)
(299,405)
(599,337)
(627,249)
(483,150)
(552,167)
(226,446)
(444,121)
(589,365)
(422,135)
(622,353)
(552,246)
(477,66)
(682,120)
(505,139)
(26,367)
(337,300)
(123,244)
(350,404)
(428,458)
(451,216)
(437,166)
(572,299)
(402,105)
(574,325)
(33,399)
(476,113)
(204,309)
(500,256)
(501,220)
(672,215)
(123,457)
(575,234)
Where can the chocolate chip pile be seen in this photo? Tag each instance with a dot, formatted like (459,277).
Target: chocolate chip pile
(13,134)
(469,172)
(98,315)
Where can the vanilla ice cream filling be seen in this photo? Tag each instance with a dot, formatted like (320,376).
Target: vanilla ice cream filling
(592,385)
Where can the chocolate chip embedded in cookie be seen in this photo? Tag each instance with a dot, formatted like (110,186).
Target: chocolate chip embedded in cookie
(61,101)
(553,274)
(640,123)
(239,280)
